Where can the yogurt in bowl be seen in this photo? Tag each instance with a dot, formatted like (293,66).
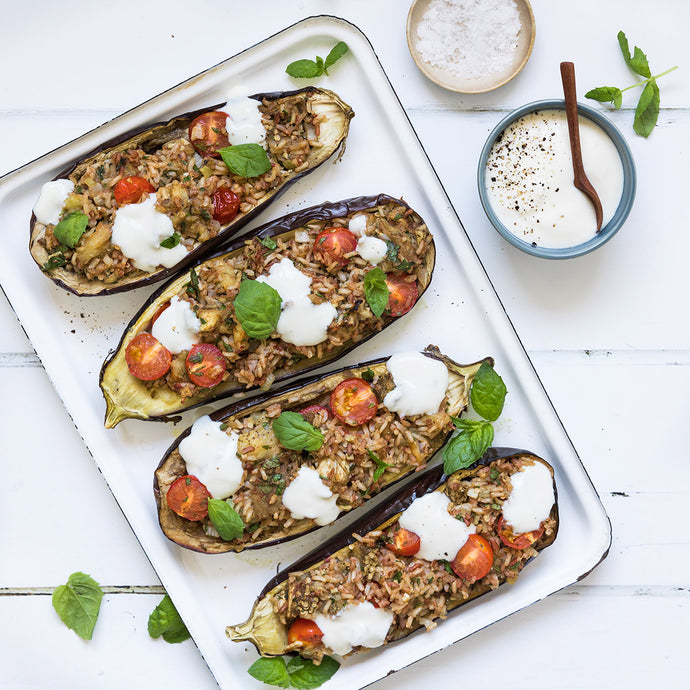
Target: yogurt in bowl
(526,185)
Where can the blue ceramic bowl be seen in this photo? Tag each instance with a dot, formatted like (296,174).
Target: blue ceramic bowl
(624,206)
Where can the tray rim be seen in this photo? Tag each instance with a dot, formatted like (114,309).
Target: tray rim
(9,177)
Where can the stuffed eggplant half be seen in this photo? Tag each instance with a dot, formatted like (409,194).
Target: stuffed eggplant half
(283,463)
(442,542)
(145,206)
(301,292)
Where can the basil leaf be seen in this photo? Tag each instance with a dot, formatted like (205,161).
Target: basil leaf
(70,229)
(376,290)
(337,51)
(638,62)
(193,284)
(269,243)
(381,466)
(225,519)
(166,621)
(647,111)
(294,432)
(78,603)
(471,442)
(488,393)
(303,69)
(305,674)
(257,307)
(270,670)
(606,94)
(246,160)
(172,241)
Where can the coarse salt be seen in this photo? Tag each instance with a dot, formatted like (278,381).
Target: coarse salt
(469,38)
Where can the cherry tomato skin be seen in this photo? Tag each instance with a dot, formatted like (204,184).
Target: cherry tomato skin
(146,358)
(205,365)
(305,631)
(129,190)
(405,543)
(517,541)
(402,295)
(226,205)
(188,497)
(474,560)
(310,412)
(208,133)
(332,244)
(354,402)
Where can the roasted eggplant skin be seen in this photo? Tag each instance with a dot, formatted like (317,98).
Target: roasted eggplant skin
(127,397)
(191,534)
(264,628)
(150,137)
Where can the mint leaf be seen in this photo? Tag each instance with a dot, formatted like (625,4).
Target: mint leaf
(606,94)
(246,160)
(225,519)
(257,307)
(172,241)
(166,621)
(381,466)
(647,111)
(638,61)
(294,432)
(337,51)
(376,291)
(70,229)
(471,442)
(305,674)
(78,603)
(304,69)
(488,393)
(270,670)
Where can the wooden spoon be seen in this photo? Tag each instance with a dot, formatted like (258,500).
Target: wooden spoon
(581,181)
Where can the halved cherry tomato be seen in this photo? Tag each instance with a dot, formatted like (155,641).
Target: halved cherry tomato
(474,560)
(188,497)
(403,294)
(517,541)
(226,204)
(310,412)
(354,402)
(207,133)
(405,543)
(305,631)
(159,311)
(130,189)
(146,358)
(332,244)
(205,365)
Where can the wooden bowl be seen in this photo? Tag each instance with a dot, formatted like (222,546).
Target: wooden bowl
(458,83)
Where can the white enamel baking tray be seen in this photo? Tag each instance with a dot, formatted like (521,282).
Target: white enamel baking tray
(460,312)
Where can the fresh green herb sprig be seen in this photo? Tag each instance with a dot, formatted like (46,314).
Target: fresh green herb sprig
(297,672)
(381,466)
(78,603)
(474,437)
(257,308)
(294,432)
(166,622)
(225,519)
(376,291)
(308,69)
(647,110)
(246,160)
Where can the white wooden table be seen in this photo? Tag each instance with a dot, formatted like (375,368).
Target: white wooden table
(608,333)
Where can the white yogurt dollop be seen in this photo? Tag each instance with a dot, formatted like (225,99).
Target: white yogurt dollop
(441,536)
(301,321)
(211,456)
(358,225)
(420,384)
(177,327)
(531,499)
(356,625)
(53,195)
(306,496)
(244,119)
(138,231)
(372,249)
